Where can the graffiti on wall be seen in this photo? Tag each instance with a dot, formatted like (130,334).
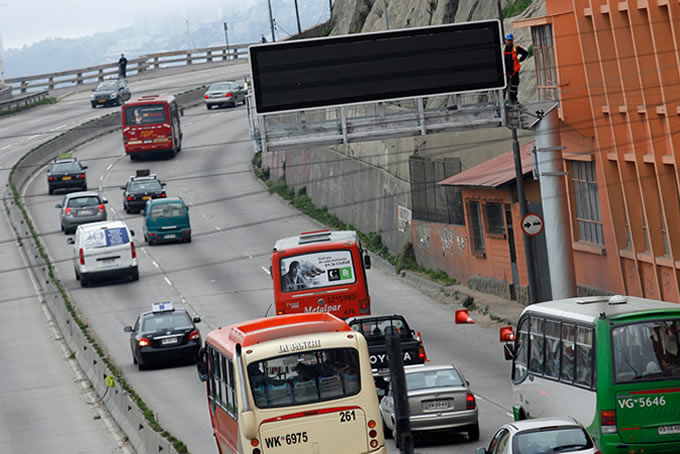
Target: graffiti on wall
(423,234)
(453,242)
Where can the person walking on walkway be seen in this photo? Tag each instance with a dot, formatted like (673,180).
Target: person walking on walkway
(512,65)
(122,66)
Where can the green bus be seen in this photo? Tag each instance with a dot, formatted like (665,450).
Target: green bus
(610,362)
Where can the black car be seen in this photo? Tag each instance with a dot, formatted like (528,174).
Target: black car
(66,174)
(110,93)
(141,188)
(165,333)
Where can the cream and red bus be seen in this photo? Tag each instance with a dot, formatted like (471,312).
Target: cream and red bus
(321,271)
(151,126)
(291,384)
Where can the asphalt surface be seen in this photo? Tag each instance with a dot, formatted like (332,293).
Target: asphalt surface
(223,274)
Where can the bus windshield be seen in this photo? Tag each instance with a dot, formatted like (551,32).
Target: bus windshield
(303,378)
(321,269)
(647,351)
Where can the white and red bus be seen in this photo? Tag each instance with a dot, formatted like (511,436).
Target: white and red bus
(321,271)
(291,384)
(151,126)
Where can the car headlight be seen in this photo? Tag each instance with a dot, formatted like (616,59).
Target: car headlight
(114,95)
(91,97)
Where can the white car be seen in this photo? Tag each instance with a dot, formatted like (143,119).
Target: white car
(104,250)
(539,436)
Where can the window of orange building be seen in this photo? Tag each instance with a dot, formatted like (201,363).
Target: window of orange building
(587,202)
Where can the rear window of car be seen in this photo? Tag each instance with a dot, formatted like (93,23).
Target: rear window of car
(379,328)
(78,202)
(145,185)
(166,321)
(147,114)
(557,439)
(432,379)
(168,210)
(62,167)
(219,87)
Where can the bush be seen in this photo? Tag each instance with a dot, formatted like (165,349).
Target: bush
(515,8)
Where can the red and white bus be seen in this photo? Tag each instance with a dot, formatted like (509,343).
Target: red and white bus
(291,384)
(321,271)
(151,125)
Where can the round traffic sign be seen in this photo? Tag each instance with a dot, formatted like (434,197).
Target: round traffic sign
(532,224)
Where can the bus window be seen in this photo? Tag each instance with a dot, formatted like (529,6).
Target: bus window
(584,356)
(568,333)
(553,349)
(145,114)
(537,344)
(646,350)
(519,371)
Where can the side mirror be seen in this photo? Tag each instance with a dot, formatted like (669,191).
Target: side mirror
(163,184)
(84,167)
(197,319)
(187,208)
(202,365)
(480,451)
(105,201)
(123,187)
(132,233)
(181,111)
(127,329)
(506,334)
(367,262)
(70,241)
(58,205)
(509,352)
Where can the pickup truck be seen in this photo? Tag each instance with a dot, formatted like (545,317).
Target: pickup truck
(376,327)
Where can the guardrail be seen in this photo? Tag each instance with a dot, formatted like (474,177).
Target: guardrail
(121,401)
(93,74)
(24,100)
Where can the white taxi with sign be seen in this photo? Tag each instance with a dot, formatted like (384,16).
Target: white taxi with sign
(104,250)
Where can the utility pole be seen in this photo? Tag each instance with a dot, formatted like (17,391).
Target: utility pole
(297,16)
(271,20)
(387,20)
(226,37)
(189,41)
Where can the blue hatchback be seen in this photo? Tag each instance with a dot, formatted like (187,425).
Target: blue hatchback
(166,220)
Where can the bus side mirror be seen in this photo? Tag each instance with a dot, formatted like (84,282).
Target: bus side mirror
(202,365)
(508,352)
(248,424)
(367,262)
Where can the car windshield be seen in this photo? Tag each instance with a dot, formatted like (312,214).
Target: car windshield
(78,202)
(220,87)
(647,351)
(432,379)
(148,114)
(168,210)
(552,440)
(107,86)
(145,186)
(63,167)
(166,321)
(303,378)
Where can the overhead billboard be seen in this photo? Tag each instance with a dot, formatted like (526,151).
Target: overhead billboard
(379,66)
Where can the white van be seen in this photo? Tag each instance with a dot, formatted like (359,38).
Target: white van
(104,250)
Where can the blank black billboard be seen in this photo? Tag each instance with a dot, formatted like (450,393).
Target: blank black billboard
(412,62)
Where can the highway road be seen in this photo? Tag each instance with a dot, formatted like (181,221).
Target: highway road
(223,274)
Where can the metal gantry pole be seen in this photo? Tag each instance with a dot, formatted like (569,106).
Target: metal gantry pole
(555,206)
(271,20)
(226,37)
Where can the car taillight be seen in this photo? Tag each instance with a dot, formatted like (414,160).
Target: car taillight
(470,403)
(67,212)
(608,421)
(51,178)
(144,342)
(206,96)
(81,254)
(132,249)
(81,176)
(228,95)
(186,231)
(194,335)
(163,194)
(364,306)
(421,349)
(101,208)
(130,197)
(151,234)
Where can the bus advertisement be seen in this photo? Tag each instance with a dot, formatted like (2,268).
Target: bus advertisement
(321,271)
(292,384)
(610,362)
(151,126)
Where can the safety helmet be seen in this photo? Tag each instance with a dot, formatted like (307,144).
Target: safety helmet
(509,36)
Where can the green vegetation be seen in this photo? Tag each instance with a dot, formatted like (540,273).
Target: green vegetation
(372,241)
(516,7)
(326,31)
(530,50)
(115,371)
(30,106)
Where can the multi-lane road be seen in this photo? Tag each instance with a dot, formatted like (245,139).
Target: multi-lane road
(221,276)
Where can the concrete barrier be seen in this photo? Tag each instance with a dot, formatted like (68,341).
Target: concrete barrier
(20,101)
(122,402)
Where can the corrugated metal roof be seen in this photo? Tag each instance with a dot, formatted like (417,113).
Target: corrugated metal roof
(494,173)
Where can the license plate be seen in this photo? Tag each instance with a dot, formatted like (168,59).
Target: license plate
(667,430)
(102,100)
(66,178)
(169,341)
(107,261)
(146,197)
(437,405)
(86,212)
(170,236)
(148,141)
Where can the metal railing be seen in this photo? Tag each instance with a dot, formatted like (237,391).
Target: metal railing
(24,100)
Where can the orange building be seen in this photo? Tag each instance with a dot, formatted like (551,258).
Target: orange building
(614,67)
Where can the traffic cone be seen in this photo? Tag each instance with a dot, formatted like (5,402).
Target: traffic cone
(462,317)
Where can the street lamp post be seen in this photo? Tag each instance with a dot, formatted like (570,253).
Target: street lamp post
(297,16)
(226,37)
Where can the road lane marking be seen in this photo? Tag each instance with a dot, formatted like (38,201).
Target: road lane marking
(266,270)
(155,264)
(248,254)
(7,146)
(218,229)
(58,127)
(108,168)
(33,137)
(167,280)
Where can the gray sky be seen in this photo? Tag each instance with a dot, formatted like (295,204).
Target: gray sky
(23,22)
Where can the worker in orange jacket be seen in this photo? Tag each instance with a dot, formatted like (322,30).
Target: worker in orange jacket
(513,55)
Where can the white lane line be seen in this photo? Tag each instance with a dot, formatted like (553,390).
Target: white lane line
(33,137)
(108,168)
(58,127)
(155,264)
(510,415)
(248,254)
(37,120)
(265,270)
(167,280)
(7,146)
(218,229)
